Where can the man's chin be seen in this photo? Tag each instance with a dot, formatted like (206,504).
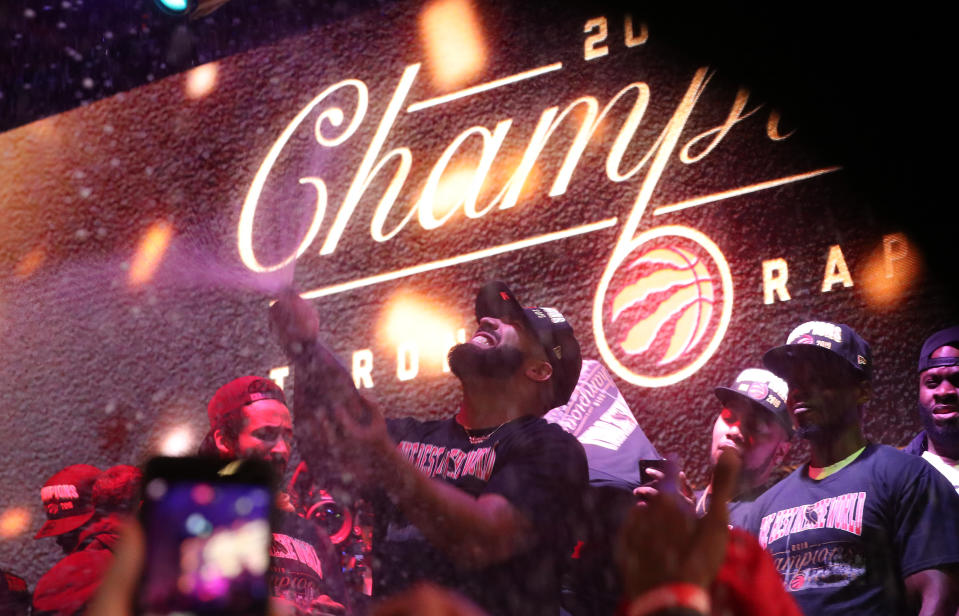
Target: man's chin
(811,432)
(279,468)
(470,361)
(942,433)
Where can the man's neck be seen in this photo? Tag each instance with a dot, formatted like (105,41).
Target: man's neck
(830,448)
(488,403)
(949,452)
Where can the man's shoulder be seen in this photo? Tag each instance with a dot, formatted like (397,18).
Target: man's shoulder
(533,424)
(917,445)
(70,584)
(888,462)
(404,428)
(542,434)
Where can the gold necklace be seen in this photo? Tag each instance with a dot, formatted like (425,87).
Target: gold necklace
(477,439)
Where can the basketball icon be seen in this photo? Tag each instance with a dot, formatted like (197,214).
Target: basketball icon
(665,306)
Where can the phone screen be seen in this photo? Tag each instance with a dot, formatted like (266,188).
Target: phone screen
(208,547)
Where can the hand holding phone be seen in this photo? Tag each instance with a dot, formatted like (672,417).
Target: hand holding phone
(207,525)
(662,476)
(664,470)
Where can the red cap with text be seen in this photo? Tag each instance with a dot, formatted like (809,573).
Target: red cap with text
(68,499)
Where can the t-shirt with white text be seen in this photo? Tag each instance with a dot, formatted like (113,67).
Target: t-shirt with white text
(845,543)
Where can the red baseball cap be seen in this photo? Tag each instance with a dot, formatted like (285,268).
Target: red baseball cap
(68,499)
(240,392)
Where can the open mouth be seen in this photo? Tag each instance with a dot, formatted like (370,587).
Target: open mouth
(483,339)
(945,412)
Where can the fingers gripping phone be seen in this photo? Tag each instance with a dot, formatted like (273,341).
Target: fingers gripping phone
(668,468)
(207,525)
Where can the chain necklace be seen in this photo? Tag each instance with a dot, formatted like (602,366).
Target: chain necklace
(478,436)
(701,504)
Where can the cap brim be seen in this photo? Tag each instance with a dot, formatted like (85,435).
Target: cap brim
(52,528)
(725,394)
(490,302)
(780,359)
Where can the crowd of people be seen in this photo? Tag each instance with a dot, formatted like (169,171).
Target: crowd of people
(484,512)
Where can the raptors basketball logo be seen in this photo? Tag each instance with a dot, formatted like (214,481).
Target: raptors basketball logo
(665,306)
(757,391)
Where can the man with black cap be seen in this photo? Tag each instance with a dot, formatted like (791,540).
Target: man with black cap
(938,442)
(861,528)
(755,423)
(484,501)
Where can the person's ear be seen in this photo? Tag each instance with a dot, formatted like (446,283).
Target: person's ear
(224,444)
(539,371)
(864,393)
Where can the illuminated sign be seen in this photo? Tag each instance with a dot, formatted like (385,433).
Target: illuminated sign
(681,332)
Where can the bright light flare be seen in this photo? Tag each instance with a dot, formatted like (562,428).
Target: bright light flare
(30,262)
(453,40)
(178,442)
(14,521)
(150,253)
(890,272)
(201,80)
(415,320)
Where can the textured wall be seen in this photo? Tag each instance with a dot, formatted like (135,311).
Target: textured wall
(98,370)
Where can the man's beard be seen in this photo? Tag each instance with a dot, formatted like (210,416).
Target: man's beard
(468,360)
(948,433)
(811,432)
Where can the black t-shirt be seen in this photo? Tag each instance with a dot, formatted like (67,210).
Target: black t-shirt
(540,469)
(844,544)
(303,564)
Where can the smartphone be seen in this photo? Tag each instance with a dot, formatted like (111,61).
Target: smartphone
(208,534)
(667,467)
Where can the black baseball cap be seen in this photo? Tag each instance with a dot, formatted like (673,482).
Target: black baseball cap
(814,338)
(548,325)
(764,390)
(943,337)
